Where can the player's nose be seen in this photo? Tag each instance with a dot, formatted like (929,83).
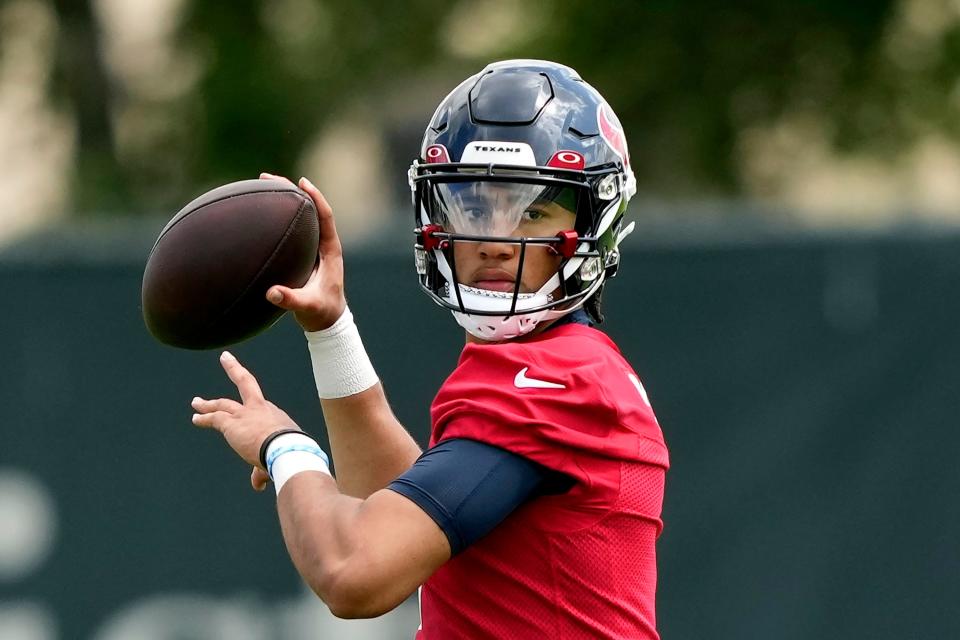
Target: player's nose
(492,249)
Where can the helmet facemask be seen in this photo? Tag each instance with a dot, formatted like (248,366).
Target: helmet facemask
(537,220)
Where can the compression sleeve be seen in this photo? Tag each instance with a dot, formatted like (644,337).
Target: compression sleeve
(469,487)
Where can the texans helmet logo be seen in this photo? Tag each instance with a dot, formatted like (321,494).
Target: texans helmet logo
(612,132)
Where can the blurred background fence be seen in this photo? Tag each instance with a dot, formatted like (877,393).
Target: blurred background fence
(807,387)
(790,295)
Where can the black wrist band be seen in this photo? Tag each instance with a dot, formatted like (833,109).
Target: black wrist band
(270,438)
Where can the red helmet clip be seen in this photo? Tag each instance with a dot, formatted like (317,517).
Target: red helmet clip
(428,240)
(566,243)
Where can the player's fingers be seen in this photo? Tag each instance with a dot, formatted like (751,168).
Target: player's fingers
(269,176)
(220,404)
(329,240)
(216,420)
(259,479)
(247,385)
(289,299)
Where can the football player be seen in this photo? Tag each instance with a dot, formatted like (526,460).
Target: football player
(535,509)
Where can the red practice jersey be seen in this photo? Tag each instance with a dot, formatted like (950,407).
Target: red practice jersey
(581,564)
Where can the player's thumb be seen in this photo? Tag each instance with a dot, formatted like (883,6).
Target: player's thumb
(284,297)
(259,479)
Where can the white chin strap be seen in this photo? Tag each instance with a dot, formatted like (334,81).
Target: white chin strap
(494,328)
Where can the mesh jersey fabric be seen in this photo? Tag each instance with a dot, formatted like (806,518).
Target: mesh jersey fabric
(581,564)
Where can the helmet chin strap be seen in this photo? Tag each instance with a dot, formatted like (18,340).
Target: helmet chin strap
(506,327)
(495,328)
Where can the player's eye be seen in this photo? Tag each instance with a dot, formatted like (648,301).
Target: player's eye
(534,215)
(475,213)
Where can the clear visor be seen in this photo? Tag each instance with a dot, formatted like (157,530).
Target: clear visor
(502,209)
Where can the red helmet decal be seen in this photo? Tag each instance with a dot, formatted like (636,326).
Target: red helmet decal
(612,132)
(436,153)
(567,160)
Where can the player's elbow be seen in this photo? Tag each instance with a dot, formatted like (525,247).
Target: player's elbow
(351,593)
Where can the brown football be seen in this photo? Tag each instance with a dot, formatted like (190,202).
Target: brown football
(208,273)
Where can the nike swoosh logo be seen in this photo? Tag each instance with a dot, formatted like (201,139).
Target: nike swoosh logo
(521,381)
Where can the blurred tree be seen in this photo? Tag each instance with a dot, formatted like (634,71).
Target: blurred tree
(687,76)
(278,70)
(689,79)
(81,80)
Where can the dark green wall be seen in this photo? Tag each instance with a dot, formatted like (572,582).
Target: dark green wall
(808,389)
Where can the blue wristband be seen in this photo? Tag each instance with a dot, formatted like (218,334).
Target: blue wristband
(270,438)
(314,449)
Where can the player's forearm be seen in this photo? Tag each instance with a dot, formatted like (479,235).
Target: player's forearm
(369,445)
(348,550)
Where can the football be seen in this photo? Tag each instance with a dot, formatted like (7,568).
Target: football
(207,275)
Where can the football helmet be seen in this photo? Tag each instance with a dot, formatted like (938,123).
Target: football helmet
(524,155)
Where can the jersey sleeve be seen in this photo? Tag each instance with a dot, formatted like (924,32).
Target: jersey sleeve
(468,487)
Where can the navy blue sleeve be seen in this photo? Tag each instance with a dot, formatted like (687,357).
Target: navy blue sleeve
(469,487)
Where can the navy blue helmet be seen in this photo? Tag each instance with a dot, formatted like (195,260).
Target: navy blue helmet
(519,138)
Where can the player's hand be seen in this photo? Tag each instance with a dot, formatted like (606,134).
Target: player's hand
(320,302)
(245,424)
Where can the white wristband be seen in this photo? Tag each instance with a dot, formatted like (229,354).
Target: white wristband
(292,453)
(341,366)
